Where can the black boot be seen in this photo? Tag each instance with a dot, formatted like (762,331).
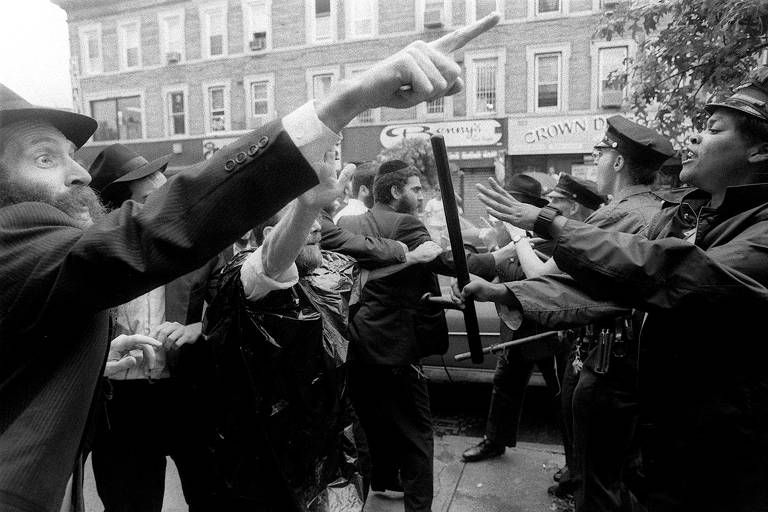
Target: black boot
(485,449)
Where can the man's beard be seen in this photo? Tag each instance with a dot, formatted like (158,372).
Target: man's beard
(72,202)
(309,258)
(403,205)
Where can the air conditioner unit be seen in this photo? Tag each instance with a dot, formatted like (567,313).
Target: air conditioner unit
(433,18)
(173,57)
(612,98)
(259,41)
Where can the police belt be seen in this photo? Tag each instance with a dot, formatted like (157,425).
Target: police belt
(613,339)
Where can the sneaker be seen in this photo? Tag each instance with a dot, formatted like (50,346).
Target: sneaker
(485,449)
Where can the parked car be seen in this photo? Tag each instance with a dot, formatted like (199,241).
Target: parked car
(446,368)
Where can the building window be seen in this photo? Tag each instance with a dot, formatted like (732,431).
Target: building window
(361,18)
(217,109)
(258,24)
(322,17)
(436,14)
(118,118)
(612,80)
(90,49)
(214,24)
(548,6)
(130,45)
(477,9)
(548,81)
(485,87)
(436,106)
(177,113)
(260,90)
(321,85)
(172,37)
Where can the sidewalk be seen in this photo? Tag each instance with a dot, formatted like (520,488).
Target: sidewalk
(516,481)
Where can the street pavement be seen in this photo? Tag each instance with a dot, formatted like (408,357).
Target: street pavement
(516,481)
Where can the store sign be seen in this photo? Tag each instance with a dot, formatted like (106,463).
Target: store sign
(481,132)
(557,134)
(473,155)
(210,146)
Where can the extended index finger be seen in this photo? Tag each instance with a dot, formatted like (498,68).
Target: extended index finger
(458,38)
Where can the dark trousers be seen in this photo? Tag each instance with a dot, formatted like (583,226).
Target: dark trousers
(513,372)
(144,423)
(606,416)
(569,383)
(392,404)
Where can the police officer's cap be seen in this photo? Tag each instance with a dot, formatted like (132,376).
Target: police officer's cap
(582,191)
(749,97)
(637,142)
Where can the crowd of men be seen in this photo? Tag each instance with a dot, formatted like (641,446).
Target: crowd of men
(231,317)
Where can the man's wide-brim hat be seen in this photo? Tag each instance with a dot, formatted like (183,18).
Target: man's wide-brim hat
(749,97)
(120,164)
(526,190)
(75,127)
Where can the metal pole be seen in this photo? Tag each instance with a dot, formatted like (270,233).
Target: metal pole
(457,244)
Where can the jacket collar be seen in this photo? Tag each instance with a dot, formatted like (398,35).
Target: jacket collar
(381,207)
(631,190)
(737,199)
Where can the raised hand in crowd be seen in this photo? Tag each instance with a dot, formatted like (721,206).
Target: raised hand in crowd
(503,206)
(330,187)
(130,350)
(419,72)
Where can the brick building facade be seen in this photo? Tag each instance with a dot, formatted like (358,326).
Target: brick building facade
(188,76)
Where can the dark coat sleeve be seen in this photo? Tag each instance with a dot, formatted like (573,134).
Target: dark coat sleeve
(370,252)
(670,272)
(51,269)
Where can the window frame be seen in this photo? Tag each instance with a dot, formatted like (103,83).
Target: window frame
(421,7)
(349,22)
(595,47)
(205,11)
(447,113)
(532,52)
(248,26)
(166,92)
(310,73)
(470,57)
(565,10)
(471,10)
(84,57)
(117,94)
(164,39)
(122,43)
(207,107)
(271,111)
(311,25)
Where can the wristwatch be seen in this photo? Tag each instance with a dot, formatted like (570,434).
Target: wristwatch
(544,221)
(517,238)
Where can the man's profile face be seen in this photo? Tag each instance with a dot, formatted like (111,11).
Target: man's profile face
(411,196)
(40,167)
(716,157)
(606,173)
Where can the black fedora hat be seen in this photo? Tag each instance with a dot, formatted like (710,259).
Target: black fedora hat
(120,164)
(75,127)
(526,190)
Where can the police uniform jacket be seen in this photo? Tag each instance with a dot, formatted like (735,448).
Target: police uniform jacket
(57,278)
(703,279)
